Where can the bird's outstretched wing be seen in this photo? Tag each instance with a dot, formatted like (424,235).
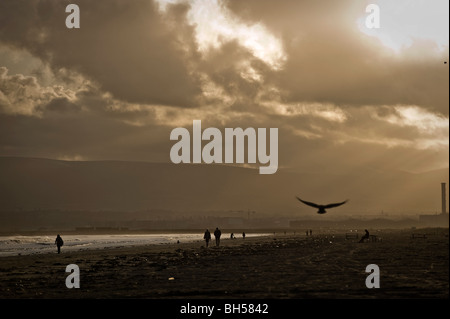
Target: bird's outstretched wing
(308,203)
(335,204)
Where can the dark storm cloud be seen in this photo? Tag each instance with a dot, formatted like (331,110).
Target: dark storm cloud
(67,133)
(60,105)
(125,46)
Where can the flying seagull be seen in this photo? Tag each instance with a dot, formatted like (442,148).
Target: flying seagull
(322,207)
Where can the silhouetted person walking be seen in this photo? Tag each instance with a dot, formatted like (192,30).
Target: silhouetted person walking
(217,234)
(310,232)
(207,237)
(243,235)
(59,242)
(366,236)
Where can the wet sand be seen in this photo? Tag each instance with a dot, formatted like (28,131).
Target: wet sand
(275,267)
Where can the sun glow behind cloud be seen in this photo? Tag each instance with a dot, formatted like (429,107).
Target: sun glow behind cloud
(405,21)
(215,25)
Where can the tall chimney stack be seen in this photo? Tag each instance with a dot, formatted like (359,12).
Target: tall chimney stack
(444,205)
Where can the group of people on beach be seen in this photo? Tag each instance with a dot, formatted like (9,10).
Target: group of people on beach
(207,237)
(217,233)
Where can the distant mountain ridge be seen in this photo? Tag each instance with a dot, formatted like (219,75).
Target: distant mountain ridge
(33,183)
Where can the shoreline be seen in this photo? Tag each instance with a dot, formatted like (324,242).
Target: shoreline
(277,267)
(73,245)
(128,232)
(279,230)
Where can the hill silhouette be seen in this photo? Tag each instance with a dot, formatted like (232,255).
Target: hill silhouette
(31,183)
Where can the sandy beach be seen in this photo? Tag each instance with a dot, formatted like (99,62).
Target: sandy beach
(280,266)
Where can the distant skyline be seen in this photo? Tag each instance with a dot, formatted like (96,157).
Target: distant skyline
(342,96)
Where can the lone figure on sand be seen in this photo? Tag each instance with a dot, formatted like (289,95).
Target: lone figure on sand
(366,236)
(59,242)
(207,237)
(217,234)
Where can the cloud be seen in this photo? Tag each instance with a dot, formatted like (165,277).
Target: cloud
(226,27)
(329,60)
(309,52)
(125,46)
(115,88)
(20,94)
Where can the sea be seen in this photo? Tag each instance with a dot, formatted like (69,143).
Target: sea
(28,245)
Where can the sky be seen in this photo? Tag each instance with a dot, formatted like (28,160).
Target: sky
(341,95)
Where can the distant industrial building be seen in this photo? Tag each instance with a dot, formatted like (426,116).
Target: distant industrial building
(441,219)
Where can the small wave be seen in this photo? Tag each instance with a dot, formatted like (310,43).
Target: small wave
(78,245)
